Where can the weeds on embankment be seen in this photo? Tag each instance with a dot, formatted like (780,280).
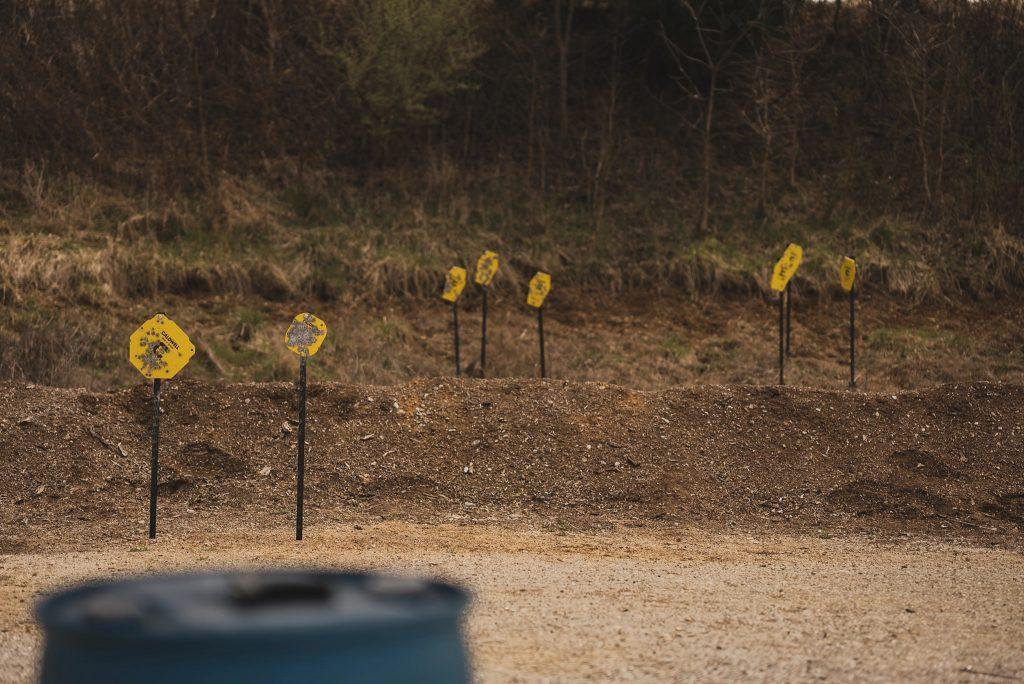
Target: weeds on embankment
(331,240)
(647,345)
(639,299)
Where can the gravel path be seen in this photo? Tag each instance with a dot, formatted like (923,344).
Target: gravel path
(633,604)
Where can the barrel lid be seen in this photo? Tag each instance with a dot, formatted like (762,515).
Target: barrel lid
(249,605)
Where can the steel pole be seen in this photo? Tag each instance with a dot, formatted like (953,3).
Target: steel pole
(789,319)
(853,336)
(483,338)
(154,461)
(782,338)
(455,329)
(300,466)
(540,334)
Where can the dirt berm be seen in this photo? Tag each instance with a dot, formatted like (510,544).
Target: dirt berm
(942,460)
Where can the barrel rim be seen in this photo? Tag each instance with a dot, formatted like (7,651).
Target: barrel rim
(47,611)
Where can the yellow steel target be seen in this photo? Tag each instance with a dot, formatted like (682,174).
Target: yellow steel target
(454,282)
(786,267)
(847,273)
(159,349)
(305,335)
(486,267)
(540,286)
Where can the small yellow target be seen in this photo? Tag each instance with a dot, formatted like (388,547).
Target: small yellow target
(305,334)
(486,267)
(454,282)
(540,286)
(847,273)
(159,349)
(786,267)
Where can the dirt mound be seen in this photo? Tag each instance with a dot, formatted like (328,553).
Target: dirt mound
(946,458)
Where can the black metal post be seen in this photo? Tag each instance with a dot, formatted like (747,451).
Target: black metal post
(455,328)
(789,318)
(853,336)
(483,338)
(154,459)
(782,338)
(540,333)
(300,468)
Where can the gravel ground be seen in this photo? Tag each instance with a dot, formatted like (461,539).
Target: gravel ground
(631,604)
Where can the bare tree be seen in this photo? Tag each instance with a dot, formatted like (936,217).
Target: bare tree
(925,74)
(793,50)
(599,168)
(564,10)
(760,116)
(716,52)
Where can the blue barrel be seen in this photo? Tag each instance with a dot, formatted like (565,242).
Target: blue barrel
(281,626)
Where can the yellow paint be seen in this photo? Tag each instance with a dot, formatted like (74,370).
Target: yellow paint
(847,273)
(305,335)
(159,348)
(540,285)
(786,267)
(454,282)
(486,267)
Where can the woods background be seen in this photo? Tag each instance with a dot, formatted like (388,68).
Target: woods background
(896,102)
(350,151)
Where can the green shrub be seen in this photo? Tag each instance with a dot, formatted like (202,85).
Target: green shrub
(400,57)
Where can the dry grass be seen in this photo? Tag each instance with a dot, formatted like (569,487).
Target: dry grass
(87,264)
(58,346)
(319,237)
(666,343)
